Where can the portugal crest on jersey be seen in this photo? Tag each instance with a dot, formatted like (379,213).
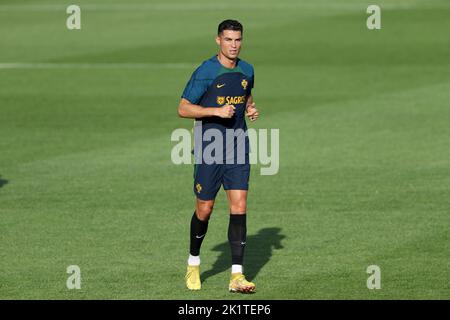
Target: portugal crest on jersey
(244,84)
(220,100)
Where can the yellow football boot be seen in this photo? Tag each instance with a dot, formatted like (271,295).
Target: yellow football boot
(238,283)
(193,278)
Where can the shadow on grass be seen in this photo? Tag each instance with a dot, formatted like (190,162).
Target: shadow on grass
(257,253)
(2,182)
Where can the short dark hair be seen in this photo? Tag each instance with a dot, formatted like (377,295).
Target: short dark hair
(230,25)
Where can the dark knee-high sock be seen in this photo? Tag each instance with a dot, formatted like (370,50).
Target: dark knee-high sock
(198,232)
(237,235)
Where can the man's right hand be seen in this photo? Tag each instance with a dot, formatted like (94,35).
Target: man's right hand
(227,111)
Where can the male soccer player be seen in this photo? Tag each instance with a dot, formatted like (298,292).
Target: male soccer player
(218,96)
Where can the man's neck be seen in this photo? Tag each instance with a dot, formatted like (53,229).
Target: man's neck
(227,63)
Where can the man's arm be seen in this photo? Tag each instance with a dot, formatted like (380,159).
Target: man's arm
(193,111)
(249,101)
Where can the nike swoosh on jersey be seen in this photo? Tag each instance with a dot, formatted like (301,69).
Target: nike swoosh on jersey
(220,85)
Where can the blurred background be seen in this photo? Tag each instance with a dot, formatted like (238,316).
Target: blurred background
(86,177)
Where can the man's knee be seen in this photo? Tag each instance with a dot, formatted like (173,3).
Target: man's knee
(204,209)
(238,207)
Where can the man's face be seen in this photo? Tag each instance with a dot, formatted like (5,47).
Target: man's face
(230,43)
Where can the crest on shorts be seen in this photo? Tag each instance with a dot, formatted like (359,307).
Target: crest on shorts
(220,100)
(198,187)
(244,84)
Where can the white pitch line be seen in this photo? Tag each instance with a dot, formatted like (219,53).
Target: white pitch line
(125,65)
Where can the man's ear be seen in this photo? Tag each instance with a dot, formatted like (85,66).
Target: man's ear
(218,40)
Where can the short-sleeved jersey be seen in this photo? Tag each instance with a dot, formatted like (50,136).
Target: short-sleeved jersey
(213,85)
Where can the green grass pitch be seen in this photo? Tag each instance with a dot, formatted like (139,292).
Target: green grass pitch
(86,177)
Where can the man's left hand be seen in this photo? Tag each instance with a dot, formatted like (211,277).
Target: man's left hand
(251,112)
